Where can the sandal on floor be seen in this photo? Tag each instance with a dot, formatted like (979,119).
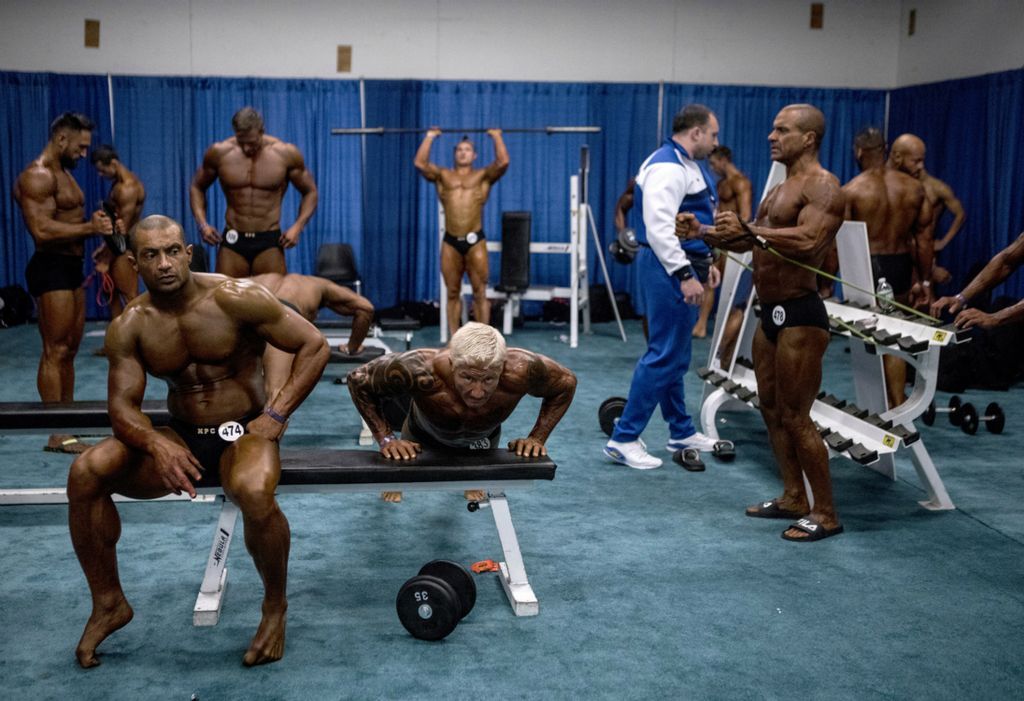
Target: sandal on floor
(66,444)
(813,529)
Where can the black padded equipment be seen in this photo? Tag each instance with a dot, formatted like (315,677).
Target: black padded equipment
(325,466)
(609,412)
(838,442)
(861,454)
(385,324)
(365,355)
(515,252)
(458,577)
(904,434)
(71,417)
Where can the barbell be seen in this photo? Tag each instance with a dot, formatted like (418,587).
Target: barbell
(381,131)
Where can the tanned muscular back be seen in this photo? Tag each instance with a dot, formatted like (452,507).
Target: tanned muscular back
(889,202)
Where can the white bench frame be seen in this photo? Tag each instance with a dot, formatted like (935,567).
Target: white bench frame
(514,581)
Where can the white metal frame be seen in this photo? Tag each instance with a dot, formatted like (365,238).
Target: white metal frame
(575,247)
(210,600)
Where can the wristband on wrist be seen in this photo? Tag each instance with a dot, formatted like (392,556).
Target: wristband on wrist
(275,416)
(684,273)
(387,439)
(961,299)
(926,283)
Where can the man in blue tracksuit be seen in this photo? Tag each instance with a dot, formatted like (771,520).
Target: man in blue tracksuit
(673,274)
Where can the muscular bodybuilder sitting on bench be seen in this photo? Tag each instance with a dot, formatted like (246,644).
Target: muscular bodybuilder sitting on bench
(460,395)
(204,335)
(308,294)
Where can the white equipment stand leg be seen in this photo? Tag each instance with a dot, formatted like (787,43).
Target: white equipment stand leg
(444,286)
(215,580)
(513,572)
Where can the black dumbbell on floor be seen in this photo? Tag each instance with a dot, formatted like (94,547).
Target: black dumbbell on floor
(954,412)
(609,412)
(433,602)
(994,418)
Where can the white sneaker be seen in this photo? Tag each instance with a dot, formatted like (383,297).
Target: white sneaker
(633,454)
(698,440)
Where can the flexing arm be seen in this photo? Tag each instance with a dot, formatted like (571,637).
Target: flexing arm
(300,177)
(556,385)
(953,204)
(389,376)
(254,305)
(687,226)
(201,182)
(345,302)
(500,163)
(126,385)
(428,170)
(819,219)
(36,192)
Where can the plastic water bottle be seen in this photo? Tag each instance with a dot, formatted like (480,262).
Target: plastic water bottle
(884,295)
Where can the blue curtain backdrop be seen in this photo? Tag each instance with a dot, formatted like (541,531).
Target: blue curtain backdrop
(974,131)
(372,197)
(28,103)
(165,125)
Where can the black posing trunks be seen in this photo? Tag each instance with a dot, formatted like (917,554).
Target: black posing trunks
(462,245)
(808,310)
(896,268)
(250,244)
(207,443)
(48,272)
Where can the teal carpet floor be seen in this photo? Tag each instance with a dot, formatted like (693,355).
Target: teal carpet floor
(651,584)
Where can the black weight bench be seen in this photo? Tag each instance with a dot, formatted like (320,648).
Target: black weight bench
(75,417)
(365,355)
(350,471)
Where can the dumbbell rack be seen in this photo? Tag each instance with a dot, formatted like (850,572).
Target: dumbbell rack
(865,430)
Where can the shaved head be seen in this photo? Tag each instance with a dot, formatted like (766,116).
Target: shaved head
(809,119)
(907,154)
(907,143)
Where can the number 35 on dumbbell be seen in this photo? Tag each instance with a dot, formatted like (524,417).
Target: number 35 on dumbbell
(432,603)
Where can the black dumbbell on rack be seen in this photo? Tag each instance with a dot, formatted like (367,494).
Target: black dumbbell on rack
(954,412)
(994,418)
(432,603)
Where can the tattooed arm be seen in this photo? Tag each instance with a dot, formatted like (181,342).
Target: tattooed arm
(391,375)
(556,385)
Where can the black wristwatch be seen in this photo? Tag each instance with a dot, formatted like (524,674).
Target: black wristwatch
(684,273)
